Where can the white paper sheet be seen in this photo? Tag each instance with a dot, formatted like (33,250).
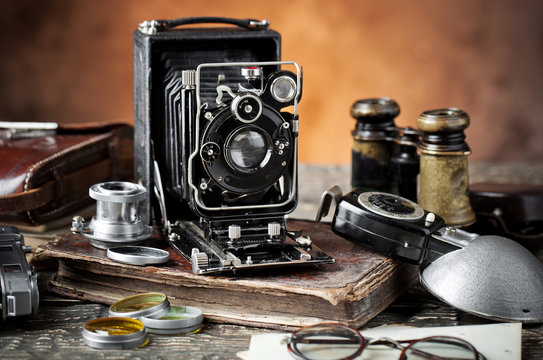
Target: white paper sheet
(494,341)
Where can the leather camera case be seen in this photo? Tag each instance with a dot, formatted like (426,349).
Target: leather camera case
(46,178)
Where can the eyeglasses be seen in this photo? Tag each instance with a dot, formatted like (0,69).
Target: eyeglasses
(340,342)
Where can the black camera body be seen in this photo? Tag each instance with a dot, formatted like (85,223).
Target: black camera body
(160,56)
(19,283)
(216,138)
(240,145)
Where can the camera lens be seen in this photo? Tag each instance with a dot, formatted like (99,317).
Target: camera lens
(246,107)
(248,149)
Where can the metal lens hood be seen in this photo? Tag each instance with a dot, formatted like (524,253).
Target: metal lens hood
(117,221)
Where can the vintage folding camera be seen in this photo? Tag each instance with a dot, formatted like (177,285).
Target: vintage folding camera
(217,139)
(19,282)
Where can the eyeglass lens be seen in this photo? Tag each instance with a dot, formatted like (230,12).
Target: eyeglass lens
(327,342)
(437,348)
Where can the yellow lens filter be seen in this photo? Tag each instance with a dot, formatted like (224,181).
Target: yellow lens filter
(131,318)
(115,333)
(153,305)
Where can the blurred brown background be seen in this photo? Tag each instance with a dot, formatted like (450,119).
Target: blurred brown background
(71,61)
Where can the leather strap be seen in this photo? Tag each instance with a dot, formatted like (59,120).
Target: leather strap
(251,24)
(97,126)
(503,226)
(48,192)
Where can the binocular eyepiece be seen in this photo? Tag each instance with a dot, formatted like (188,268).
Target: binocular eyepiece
(386,157)
(444,180)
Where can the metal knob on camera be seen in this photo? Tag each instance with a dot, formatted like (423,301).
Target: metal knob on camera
(444,179)
(117,221)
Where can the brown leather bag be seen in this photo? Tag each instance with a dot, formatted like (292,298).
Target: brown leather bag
(48,177)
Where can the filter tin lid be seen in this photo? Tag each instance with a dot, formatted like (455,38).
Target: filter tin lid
(178,318)
(187,330)
(138,255)
(152,305)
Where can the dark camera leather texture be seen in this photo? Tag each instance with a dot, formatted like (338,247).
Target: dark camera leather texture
(46,178)
(511,210)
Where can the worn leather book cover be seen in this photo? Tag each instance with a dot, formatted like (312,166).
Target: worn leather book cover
(357,287)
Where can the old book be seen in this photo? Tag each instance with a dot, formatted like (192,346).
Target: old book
(357,287)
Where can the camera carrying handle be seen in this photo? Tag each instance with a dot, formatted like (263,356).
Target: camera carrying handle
(251,24)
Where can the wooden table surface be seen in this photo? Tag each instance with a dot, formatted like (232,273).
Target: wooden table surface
(55,332)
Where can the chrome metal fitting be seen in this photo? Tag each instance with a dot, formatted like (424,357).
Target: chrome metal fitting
(117,221)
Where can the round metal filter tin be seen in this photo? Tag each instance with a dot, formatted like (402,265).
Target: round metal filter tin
(115,333)
(180,320)
(152,305)
(138,255)
(188,330)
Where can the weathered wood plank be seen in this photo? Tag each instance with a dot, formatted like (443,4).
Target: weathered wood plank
(55,333)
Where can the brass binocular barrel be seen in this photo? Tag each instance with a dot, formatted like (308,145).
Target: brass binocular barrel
(444,179)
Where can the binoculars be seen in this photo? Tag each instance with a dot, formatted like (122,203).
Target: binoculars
(427,165)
